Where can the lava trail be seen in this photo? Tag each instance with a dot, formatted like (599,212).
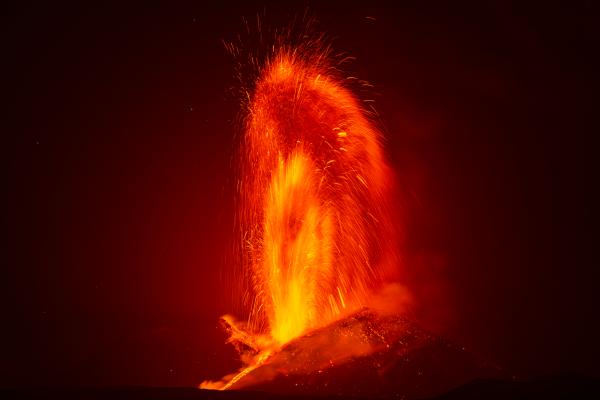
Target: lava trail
(318,236)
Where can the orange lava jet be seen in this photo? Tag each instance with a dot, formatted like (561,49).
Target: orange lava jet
(318,236)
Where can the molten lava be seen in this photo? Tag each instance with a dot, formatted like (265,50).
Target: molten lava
(318,232)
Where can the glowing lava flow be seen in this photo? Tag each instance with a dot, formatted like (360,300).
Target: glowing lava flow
(318,236)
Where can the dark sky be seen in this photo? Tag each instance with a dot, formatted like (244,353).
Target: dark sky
(119,132)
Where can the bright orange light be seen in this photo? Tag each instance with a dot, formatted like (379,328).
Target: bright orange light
(318,237)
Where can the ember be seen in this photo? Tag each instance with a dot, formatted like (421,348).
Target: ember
(318,232)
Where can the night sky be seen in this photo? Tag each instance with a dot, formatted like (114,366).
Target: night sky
(119,133)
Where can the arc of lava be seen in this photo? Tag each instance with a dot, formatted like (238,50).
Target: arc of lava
(317,225)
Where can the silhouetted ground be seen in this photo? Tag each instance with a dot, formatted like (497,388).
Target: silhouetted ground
(365,355)
(555,387)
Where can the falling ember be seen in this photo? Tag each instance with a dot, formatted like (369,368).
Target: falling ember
(318,236)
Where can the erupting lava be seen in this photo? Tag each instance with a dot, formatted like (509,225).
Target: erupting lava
(318,236)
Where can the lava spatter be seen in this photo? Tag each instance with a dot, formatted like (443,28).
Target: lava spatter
(317,226)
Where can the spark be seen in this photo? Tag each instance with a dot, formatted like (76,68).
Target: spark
(317,236)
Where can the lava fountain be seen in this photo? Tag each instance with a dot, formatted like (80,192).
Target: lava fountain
(317,228)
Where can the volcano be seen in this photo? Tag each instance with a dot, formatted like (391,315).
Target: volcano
(367,354)
(319,239)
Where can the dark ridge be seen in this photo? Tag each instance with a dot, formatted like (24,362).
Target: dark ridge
(549,387)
